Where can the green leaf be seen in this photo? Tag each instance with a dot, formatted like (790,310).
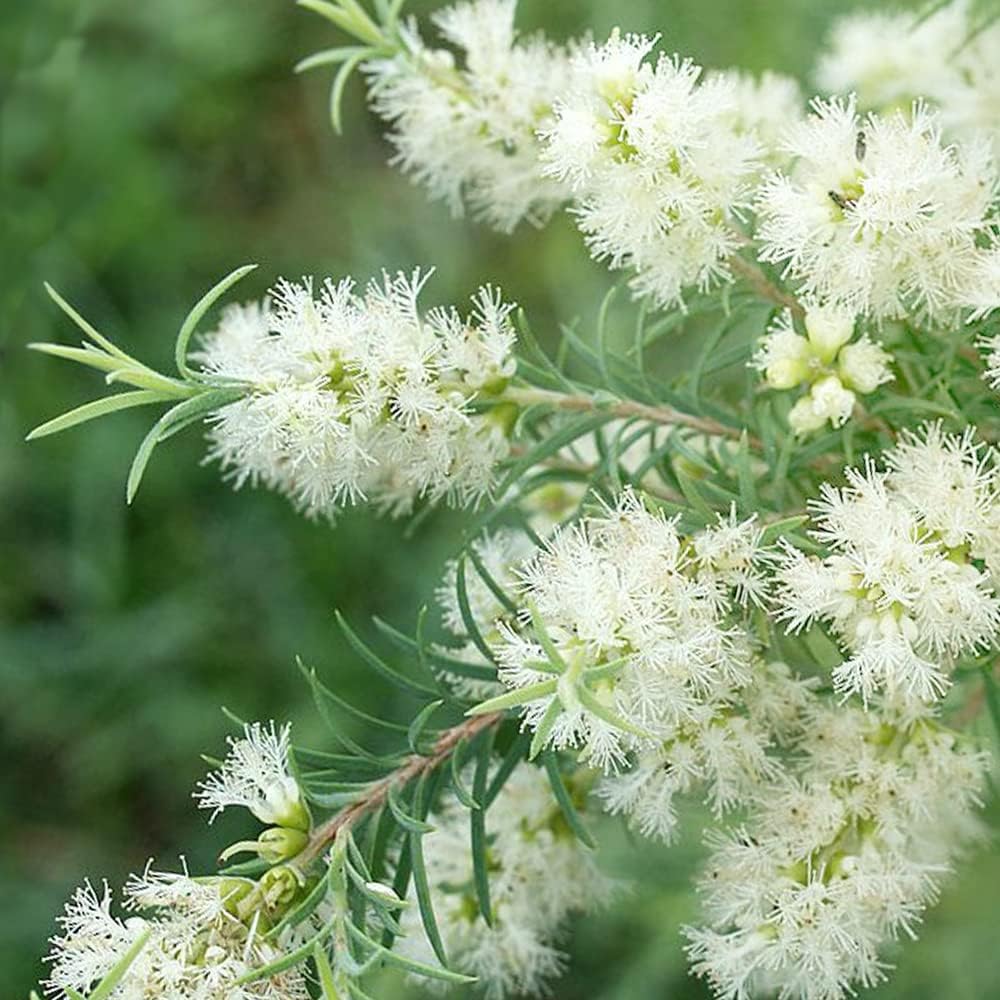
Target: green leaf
(477,831)
(89,330)
(346,16)
(466,611)
(371,721)
(330,57)
(379,665)
(337,90)
(107,985)
(417,726)
(498,592)
(411,824)
(515,698)
(458,786)
(97,408)
(421,886)
(408,964)
(552,443)
(593,704)
(541,736)
(190,409)
(514,755)
(551,763)
(194,317)
(325,973)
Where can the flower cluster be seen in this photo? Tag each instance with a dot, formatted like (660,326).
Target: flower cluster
(468,132)
(351,397)
(833,369)
(879,216)
(659,169)
(949,57)
(838,858)
(540,876)
(902,587)
(189,938)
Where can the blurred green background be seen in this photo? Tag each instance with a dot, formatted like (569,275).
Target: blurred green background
(145,150)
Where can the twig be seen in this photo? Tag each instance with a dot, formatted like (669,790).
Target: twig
(581,403)
(413,768)
(763,284)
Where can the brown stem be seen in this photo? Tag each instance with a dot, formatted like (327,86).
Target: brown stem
(763,285)
(414,767)
(624,408)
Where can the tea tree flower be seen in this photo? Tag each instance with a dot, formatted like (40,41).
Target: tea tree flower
(898,587)
(659,169)
(878,216)
(353,397)
(621,640)
(466,130)
(838,860)
(832,369)
(191,939)
(891,59)
(256,775)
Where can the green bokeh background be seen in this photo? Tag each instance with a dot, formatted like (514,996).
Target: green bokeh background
(145,150)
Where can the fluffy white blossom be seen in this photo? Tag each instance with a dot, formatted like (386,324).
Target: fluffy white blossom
(879,215)
(838,859)
(889,59)
(540,875)
(624,635)
(256,775)
(661,164)
(723,756)
(901,587)
(196,939)
(466,129)
(350,397)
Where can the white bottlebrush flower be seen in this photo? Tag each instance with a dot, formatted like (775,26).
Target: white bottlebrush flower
(467,130)
(624,634)
(879,215)
(899,588)
(198,938)
(540,875)
(661,164)
(837,860)
(256,775)
(732,556)
(891,59)
(350,397)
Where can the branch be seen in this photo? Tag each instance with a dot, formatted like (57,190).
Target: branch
(763,285)
(666,415)
(415,766)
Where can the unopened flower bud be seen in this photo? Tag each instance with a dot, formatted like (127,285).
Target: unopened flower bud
(827,400)
(864,366)
(282,805)
(828,329)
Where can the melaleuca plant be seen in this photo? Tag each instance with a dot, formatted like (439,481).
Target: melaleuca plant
(768,580)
